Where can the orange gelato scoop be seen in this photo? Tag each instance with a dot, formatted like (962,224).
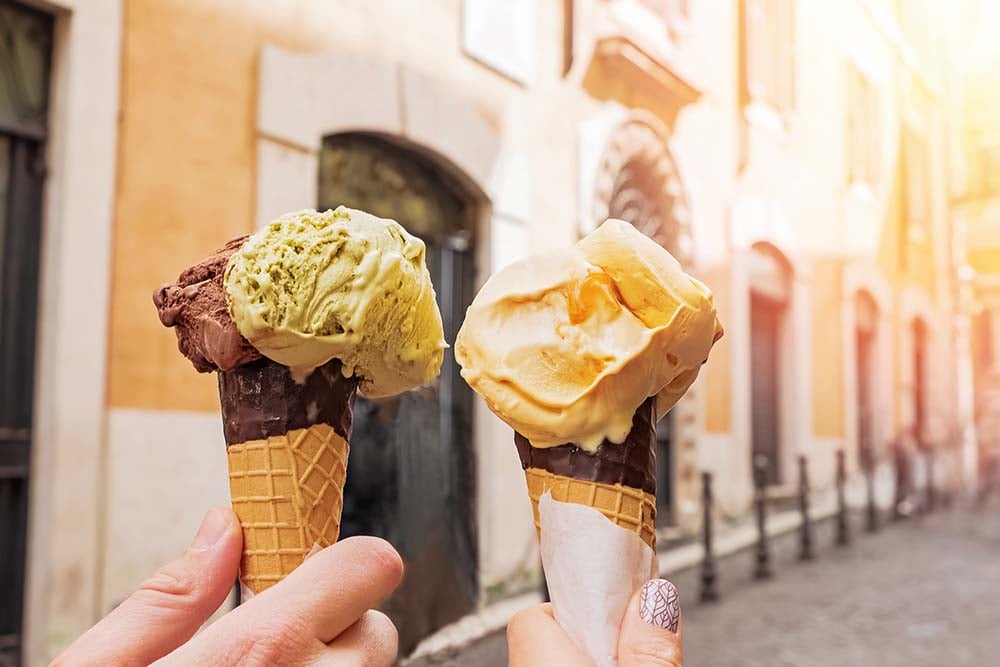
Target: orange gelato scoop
(565,347)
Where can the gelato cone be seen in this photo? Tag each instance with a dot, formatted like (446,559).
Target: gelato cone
(295,320)
(617,480)
(287,445)
(580,351)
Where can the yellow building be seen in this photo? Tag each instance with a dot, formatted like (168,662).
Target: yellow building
(977,213)
(791,154)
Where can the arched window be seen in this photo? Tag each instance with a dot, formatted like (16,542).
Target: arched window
(638,182)
(641,185)
(411,474)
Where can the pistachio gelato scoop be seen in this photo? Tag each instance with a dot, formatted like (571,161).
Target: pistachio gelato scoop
(341,284)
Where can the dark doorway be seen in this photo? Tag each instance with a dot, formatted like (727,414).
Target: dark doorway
(25,52)
(866,322)
(765,323)
(920,383)
(769,295)
(411,476)
(665,475)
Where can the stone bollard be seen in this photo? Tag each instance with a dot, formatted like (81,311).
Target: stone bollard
(708,570)
(762,569)
(805,532)
(843,527)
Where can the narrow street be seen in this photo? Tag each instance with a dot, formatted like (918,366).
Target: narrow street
(923,593)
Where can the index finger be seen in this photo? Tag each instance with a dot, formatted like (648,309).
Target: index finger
(535,639)
(335,587)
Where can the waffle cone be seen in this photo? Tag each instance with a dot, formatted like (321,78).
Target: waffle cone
(630,508)
(288,492)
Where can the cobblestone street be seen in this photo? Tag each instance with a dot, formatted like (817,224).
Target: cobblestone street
(924,593)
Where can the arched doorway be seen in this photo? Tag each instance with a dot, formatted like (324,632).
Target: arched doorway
(865,335)
(646,191)
(411,474)
(770,294)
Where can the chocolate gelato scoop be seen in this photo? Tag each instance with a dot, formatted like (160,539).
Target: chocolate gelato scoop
(196,307)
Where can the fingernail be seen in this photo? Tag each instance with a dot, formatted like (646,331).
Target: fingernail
(660,605)
(213,527)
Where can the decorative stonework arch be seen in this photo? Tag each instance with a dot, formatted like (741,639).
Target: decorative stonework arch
(638,180)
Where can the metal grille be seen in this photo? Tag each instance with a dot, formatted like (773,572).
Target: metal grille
(25,47)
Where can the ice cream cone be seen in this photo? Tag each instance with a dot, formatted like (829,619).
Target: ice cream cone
(287,445)
(617,480)
(632,509)
(288,492)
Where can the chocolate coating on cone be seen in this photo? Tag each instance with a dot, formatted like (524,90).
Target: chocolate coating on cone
(260,400)
(631,463)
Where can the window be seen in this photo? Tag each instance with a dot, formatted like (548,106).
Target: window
(989,169)
(501,34)
(985,341)
(569,27)
(916,184)
(768,42)
(863,137)
(912,17)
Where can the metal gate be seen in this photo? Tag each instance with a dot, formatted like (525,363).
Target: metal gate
(25,48)
(411,475)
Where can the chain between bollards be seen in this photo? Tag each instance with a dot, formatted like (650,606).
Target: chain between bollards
(762,569)
(843,527)
(805,532)
(708,570)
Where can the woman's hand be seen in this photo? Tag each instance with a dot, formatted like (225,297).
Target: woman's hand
(650,634)
(322,614)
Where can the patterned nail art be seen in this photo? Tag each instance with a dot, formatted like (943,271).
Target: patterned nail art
(660,604)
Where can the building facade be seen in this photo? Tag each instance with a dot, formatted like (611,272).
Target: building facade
(791,154)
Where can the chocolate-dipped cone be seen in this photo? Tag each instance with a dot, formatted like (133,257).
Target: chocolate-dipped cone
(618,480)
(287,445)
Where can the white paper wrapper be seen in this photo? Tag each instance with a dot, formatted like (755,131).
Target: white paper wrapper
(592,568)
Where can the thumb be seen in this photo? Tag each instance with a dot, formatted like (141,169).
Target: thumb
(651,631)
(170,606)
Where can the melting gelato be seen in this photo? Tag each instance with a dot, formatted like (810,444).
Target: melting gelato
(565,347)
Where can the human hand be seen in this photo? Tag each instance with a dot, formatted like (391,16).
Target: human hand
(322,614)
(650,634)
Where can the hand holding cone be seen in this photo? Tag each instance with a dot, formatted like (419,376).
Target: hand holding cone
(293,323)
